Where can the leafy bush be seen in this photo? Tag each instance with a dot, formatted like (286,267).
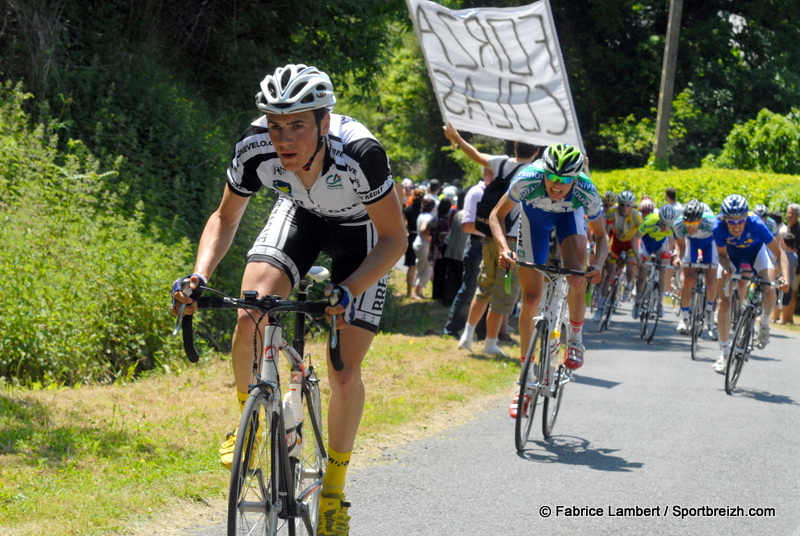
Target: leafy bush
(768,143)
(708,185)
(83,292)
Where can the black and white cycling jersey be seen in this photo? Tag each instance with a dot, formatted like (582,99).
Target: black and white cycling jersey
(355,171)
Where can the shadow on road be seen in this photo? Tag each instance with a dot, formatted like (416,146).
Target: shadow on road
(763,396)
(573,450)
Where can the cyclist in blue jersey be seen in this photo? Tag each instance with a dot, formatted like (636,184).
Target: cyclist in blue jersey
(694,234)
(554,193)
(743,242)
(335,195)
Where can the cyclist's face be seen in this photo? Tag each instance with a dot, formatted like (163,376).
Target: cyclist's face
(557,190)
(295,137)
(625,209)
(736,226)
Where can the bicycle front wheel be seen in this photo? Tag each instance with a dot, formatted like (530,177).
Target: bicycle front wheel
(309,467)
(653,312)
(611,304)
(254,503)
(528,391)
(740,349)
(551,406)
(696,315)
(644,310)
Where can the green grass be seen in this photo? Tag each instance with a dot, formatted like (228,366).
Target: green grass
(127,459)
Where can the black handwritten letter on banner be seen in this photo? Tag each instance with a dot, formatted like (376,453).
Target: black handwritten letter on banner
(498,71)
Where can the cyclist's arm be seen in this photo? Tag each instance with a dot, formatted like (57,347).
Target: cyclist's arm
(497,223)
(601,253)
(725,262)
(681,247)
(391,245)
(451,133)
(784,262)
(219,232)
(635,242)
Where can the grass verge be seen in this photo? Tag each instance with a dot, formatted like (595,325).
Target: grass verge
(133,459)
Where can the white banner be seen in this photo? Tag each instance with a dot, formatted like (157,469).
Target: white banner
(498,71)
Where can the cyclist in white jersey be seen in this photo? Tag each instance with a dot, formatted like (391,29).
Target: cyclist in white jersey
(555,194)
(335,195)
(694,235)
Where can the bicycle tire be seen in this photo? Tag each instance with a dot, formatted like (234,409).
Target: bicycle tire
(611,304)
(736,309)
(696,316)
(552,405)
(309,467)
(655,304)
(644,308)
(740,349)
(254,502)
(527,379)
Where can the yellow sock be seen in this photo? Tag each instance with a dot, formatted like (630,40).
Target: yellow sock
(334,479)
(242,397)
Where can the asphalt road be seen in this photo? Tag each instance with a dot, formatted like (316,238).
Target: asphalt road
(647,442)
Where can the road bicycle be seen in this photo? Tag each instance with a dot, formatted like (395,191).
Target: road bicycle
(651,307)
(614,292)
(697,305)
(546,350)
(279,456)
(746,333)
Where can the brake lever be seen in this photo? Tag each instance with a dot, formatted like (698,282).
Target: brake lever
(180,318)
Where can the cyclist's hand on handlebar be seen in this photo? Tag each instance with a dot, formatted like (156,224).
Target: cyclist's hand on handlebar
(784,285)
(342,303)
(185,290)
(594,274)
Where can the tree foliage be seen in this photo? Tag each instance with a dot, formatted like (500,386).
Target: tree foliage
(769,143)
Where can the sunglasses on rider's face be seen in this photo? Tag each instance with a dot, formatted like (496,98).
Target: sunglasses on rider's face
(735,222)
(557,178)
(697,222)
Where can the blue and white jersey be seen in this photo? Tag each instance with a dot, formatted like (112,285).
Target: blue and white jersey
(355,171)
(705,230)
(528,187)
(755,235)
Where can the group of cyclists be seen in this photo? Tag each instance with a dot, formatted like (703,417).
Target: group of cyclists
(335,194)
(733,240)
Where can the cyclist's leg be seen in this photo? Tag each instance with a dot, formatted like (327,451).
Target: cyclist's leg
(532,284)
(572,238)
(265,279)
(533,246)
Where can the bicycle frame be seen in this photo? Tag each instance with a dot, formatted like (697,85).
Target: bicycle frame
(538,375)
(745,334)
(274,481)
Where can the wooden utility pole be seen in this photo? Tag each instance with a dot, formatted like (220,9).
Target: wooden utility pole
(667,83)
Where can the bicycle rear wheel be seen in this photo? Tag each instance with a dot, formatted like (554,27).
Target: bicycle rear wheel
(652,312)
(740,349)
(254,503)
(309,466)
(696,317)
(528,392)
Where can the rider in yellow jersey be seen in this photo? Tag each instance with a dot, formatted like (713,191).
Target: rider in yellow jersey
(622,223)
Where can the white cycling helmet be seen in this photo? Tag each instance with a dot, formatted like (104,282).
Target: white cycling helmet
(667,214)
(626,197)
(295,88)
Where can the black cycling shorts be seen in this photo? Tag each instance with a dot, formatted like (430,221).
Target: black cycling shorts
(293,239)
